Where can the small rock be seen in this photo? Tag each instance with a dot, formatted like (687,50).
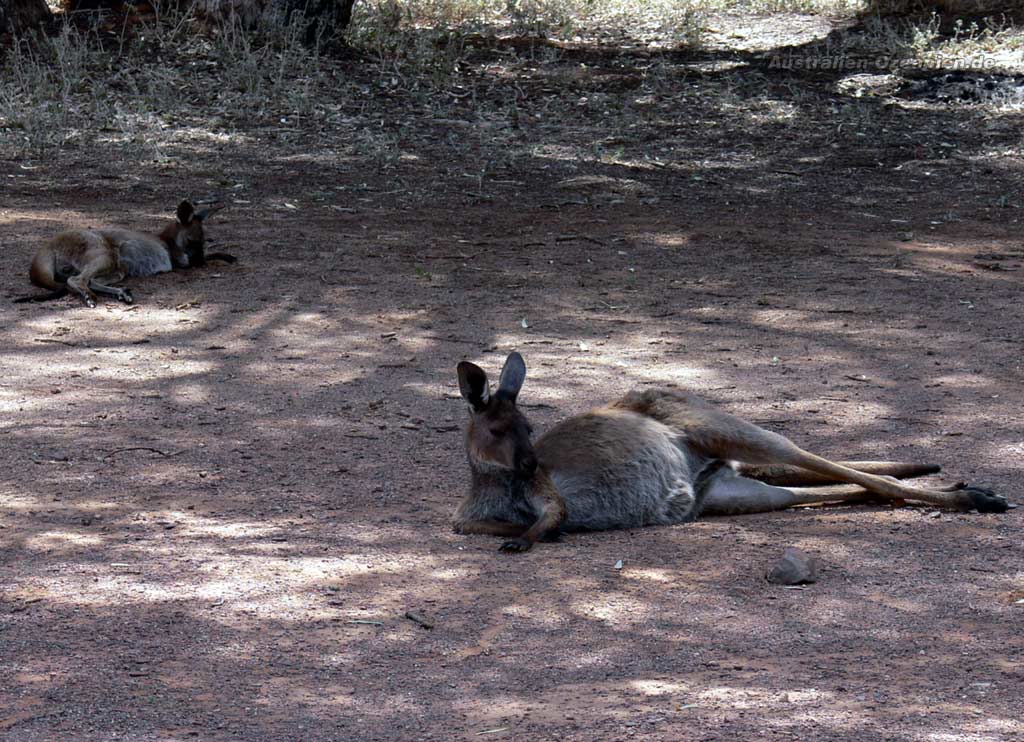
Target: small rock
(794,568)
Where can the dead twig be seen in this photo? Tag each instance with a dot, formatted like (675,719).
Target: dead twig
(25,604)
(142,448)
(126,568)
(418,619)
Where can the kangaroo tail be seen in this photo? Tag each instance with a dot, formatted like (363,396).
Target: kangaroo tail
(783,475)
(62,291)
(43,274)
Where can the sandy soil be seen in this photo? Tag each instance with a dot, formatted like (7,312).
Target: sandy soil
(218,506)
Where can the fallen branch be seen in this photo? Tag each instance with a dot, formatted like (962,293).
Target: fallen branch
(142,448)
(418,619)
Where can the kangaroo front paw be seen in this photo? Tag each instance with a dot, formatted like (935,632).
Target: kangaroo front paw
(516,545)
(985,500)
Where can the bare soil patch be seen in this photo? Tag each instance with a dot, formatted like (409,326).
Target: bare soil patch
(218,506)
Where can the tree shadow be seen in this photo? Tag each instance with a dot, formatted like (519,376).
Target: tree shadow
(217,508)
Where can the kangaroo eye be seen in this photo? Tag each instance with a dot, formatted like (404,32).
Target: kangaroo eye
(497,432)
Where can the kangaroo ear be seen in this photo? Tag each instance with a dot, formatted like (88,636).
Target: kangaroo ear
(209,211)
(473,385)
(185,212)
(512,377)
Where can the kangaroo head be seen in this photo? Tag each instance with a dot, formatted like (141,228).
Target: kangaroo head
(498,434)
(186,233)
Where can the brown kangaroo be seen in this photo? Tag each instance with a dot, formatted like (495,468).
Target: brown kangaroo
(652,457)
(87,261)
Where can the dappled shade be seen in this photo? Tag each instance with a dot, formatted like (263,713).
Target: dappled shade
(220,507)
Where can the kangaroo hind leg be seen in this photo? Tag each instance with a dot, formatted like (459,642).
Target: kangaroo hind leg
(717,434)
(734,439)
(785,475)
(118,292)
(728,493)
(92,279)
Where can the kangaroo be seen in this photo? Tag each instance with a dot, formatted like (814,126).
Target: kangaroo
(88,261)
(653,457)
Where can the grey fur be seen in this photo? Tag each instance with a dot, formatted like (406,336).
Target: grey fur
(640,476)
(141,254)
(653,457)
(632,471)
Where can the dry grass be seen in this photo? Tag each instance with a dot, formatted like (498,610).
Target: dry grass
(178,80)
(74,88)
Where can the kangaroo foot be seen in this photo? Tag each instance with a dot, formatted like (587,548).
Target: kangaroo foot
(985,500)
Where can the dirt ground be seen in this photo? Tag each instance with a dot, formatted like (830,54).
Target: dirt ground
(218,506)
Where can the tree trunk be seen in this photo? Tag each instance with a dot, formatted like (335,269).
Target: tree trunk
(344,13)
(21,16)
(949,7)
(333,16)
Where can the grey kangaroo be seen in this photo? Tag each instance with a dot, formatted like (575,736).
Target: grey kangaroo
(653,457)
(88,261)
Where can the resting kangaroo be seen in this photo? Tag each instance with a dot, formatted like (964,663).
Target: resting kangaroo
(88,261)
(652,457)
